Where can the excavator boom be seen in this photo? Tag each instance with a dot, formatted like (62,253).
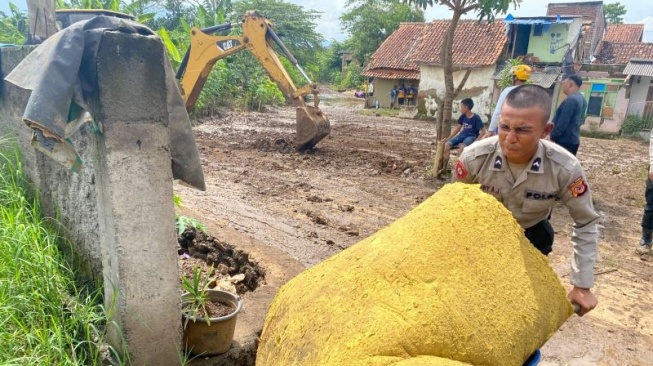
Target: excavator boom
(205,50)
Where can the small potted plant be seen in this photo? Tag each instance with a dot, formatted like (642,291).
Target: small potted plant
(209,316)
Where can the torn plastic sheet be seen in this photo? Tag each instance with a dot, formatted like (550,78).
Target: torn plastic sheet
(61,73)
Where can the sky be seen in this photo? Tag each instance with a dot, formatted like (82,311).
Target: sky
(639,11)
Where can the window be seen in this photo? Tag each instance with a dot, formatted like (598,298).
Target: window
(601,98)
(595,104)
(538,29)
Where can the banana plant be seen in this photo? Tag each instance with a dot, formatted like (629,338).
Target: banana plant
(13,28)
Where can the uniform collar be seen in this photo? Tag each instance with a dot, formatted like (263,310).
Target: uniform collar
(535,165)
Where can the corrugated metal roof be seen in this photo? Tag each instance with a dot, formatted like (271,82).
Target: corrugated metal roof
(544,80)
(393,74)
(639,68)
(539,21)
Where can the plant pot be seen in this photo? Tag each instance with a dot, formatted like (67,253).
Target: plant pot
(215,338)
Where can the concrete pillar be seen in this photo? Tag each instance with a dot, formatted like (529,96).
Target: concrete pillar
(135,208)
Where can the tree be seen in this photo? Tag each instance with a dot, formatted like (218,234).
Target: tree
(486,9)
(370,22)
(13,27)
(329,62)
(292,23)
(614,13)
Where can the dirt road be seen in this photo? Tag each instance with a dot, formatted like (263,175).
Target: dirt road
(372,170)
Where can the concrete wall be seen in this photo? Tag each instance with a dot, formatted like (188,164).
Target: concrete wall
(119,209)
(609,125)
(479,87)
(598,32)
(639,90)
(553,40)
(70,197)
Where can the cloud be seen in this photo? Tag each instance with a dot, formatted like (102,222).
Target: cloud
(648,28)
(329,23)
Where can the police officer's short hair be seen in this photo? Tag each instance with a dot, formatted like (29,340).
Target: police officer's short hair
(529,96)
(468,102)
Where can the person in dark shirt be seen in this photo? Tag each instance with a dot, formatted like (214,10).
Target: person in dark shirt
(570,115)
(470,128)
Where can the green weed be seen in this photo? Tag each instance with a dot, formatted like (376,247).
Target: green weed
(45,318)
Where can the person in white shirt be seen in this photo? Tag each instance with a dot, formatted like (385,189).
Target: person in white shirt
(520,75)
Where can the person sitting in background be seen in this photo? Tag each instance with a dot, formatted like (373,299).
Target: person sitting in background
(470,128)
(401,94)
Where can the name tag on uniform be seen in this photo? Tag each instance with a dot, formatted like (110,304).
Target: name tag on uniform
(490,189)
(540,196)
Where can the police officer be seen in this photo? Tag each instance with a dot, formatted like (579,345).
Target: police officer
(529,175)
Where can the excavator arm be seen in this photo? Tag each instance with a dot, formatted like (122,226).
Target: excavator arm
(205,50)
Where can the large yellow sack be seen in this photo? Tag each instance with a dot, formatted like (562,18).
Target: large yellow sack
(452,280)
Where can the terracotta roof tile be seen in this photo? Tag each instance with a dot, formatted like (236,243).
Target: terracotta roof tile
(624,33)
(394,52)
(392,74)
(610,53)
(475,43)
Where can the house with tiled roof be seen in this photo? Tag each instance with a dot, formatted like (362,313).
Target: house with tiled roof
(594,23)
(624,33)
(608,89)
(392,65)
(478,47)
(411,56)
(619,54)
(640,82)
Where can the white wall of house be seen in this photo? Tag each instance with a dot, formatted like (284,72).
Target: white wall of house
(432,81)
(611,124)
(639,90)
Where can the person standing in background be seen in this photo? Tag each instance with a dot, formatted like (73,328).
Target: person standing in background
(520,75)
(570,115)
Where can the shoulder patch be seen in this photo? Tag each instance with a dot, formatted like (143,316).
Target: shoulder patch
(460,171)
(578,187)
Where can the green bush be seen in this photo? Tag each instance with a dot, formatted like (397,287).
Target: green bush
(353,79)
(634,124)
(265,93)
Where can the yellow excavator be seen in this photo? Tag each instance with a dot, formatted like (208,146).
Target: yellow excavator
(206,49)
(257,36)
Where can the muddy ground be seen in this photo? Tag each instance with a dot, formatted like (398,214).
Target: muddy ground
(373,169)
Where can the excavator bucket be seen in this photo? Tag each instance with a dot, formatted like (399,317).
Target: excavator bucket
(312,126)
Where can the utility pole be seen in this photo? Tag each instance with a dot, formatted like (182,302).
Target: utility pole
(42,20)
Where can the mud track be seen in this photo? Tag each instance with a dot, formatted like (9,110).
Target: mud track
(371,170)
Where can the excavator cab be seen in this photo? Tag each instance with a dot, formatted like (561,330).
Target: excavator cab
(206,49)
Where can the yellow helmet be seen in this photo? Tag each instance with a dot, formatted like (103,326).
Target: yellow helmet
(521,72)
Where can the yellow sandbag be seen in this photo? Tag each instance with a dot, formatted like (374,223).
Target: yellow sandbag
(454,278)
